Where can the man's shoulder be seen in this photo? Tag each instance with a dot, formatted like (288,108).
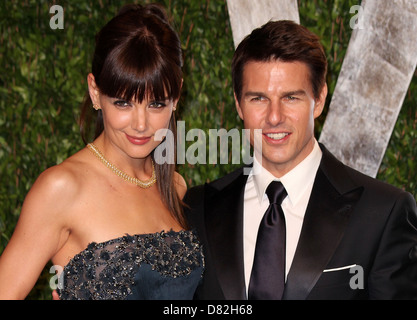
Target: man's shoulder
(345,175)
(223,181)
(375,186)
(226,180)
(217,185)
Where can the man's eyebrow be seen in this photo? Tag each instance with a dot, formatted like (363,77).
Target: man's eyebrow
(284,94)
(254,93)
(294,93)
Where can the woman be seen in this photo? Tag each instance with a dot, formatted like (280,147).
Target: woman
(110,213)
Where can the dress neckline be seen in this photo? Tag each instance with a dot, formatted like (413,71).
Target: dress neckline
(138,235)
(127,236)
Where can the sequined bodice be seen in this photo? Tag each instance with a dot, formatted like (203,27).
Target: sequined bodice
(163,265)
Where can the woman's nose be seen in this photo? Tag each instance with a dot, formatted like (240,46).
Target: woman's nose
(138,121)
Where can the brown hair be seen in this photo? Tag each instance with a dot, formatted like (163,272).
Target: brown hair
(138,55)
(281,40)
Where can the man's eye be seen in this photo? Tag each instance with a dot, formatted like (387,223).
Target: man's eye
(257,98)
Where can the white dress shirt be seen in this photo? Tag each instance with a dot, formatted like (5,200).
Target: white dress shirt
(298,184)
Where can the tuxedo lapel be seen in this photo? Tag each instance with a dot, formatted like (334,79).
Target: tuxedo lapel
(224,229)
(332,200)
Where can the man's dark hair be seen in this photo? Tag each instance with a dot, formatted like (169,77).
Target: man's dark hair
(285,41)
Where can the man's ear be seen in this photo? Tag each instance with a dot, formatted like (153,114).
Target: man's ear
(93,89)
(320,102)
(238,108)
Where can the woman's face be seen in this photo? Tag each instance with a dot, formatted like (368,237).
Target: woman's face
(131,126)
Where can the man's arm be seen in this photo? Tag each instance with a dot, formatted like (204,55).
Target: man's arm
(394,274)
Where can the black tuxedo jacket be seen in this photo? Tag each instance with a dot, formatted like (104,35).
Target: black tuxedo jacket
(351,219)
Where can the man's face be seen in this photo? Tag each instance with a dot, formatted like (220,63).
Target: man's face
(277,97)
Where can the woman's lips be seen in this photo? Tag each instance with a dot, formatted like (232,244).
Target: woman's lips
(138,140)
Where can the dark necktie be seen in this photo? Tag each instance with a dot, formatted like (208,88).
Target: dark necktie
(268,271)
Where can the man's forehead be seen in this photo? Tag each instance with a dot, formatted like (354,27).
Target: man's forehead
(288,76)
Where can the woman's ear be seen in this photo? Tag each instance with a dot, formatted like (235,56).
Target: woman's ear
(93,89)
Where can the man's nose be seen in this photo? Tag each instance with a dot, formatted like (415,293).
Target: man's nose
(275,113)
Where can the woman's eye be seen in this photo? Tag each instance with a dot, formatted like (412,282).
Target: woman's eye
(121,103)
(157,104)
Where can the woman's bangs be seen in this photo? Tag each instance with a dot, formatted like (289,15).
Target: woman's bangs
(139,76)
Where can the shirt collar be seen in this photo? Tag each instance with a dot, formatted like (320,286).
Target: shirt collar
(294,181)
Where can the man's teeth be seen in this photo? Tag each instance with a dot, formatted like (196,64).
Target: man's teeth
(277,136)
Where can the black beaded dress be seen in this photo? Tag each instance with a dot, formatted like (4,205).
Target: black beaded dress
(156,266)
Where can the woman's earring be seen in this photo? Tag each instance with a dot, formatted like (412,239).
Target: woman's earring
(96,107)
(174,108)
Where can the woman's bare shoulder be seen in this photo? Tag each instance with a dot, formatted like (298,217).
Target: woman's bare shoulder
(59,184)
(180,184)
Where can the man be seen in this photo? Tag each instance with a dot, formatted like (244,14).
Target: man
(348,236)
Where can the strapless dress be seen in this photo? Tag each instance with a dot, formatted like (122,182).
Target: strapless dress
(158,266)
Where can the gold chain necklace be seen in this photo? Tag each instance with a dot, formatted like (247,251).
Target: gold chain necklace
(143,184)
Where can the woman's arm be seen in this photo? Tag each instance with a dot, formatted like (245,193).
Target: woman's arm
(40,232)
